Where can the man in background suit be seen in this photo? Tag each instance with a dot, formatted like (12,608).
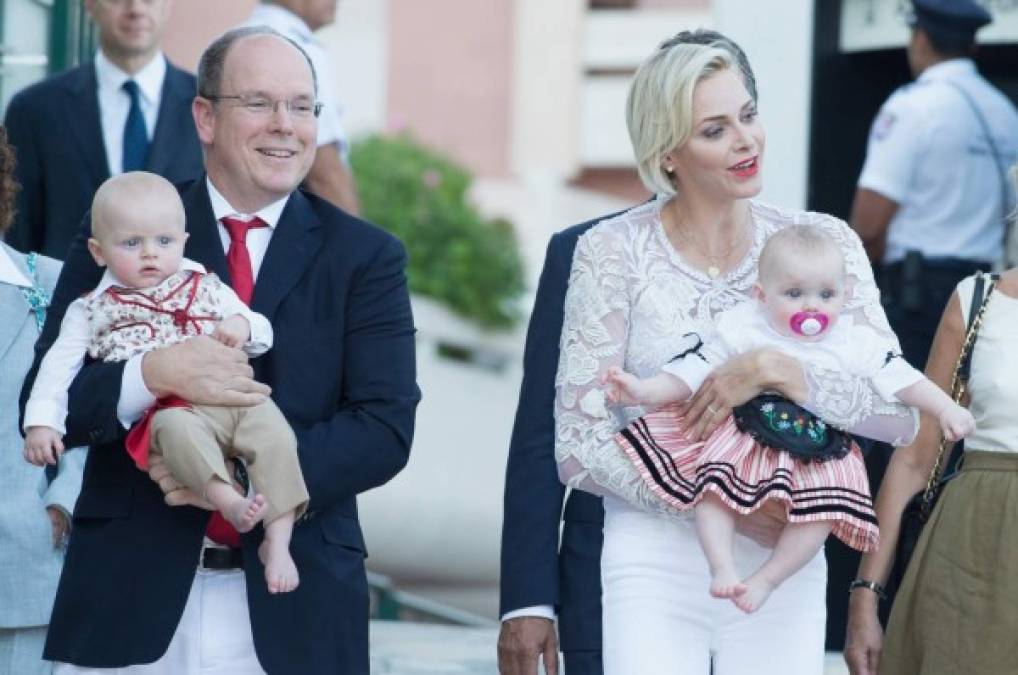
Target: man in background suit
(128,110)
(140,586)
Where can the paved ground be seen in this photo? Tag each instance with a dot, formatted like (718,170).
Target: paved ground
(404,648)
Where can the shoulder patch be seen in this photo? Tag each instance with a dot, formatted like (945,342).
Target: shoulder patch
(883,124)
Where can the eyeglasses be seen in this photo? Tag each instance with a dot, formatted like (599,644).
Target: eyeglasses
(261,105)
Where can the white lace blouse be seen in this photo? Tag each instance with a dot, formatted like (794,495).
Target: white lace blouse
(631,297)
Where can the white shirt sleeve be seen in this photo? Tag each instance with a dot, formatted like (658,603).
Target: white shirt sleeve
(261,330)
(135,397)
(697,361)
(895,148)
(47,405)
(537,611)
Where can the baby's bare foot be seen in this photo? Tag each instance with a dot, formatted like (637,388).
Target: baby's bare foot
(246,513)
(726,584)
(757,592)
(280,571)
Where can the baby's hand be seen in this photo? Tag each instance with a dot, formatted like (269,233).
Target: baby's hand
(956,422)
(233,331)
(622,388)
(43,445)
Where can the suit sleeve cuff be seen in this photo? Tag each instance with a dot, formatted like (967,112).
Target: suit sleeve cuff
(537,612)
(135,398)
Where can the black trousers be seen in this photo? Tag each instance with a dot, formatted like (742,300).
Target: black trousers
(914,293)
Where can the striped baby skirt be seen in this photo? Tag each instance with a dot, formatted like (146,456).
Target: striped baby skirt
(746,475)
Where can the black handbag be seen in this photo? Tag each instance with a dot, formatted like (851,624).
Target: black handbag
(919,508)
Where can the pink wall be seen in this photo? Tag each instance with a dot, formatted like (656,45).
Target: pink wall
(195,23)
(450,77)
(673,4)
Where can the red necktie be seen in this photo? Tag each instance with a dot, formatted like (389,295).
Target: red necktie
(238,263)
(238,259)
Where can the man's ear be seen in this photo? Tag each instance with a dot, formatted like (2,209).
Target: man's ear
(204,113)
(96,251)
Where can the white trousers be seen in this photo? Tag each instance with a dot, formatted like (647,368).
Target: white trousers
(660,620)
(212,638)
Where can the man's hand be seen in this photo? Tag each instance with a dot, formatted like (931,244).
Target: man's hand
(521,641)
(204,372)
(233,331)
(43,445)
(60,524)
(176,493)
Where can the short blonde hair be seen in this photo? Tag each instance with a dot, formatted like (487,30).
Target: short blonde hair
(659,108)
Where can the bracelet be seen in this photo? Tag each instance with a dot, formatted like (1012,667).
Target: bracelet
(869,585)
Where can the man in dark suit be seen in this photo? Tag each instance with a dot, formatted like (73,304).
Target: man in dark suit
(128,110)
(139,585)
(537,579)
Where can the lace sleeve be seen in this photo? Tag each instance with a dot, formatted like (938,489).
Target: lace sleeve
(847,401)
(594,335)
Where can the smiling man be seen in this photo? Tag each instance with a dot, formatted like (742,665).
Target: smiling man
(142,592)
(127,110)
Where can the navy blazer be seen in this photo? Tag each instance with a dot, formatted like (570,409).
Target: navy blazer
(55,130)
(342,370)
(535,571)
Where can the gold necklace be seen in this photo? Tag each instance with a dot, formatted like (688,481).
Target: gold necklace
(714,262)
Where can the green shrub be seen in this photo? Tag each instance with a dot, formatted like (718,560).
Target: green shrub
(457,257)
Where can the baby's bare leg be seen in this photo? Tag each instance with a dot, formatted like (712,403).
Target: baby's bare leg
(797,545)
(241,512)
(280,570)
(715,526)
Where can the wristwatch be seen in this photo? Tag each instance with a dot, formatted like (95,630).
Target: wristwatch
(870,585)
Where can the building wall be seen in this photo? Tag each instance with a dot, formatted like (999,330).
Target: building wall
(450,77)
(195,23)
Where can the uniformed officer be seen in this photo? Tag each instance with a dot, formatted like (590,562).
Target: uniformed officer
(933,192)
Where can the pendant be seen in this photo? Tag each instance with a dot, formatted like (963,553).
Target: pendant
(713,272)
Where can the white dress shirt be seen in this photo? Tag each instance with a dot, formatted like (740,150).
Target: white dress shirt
(330,122)
(115,103)
(135,397)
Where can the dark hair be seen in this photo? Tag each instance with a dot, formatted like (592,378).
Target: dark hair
(9,186)
(949,46)
(210,67)
(712,38)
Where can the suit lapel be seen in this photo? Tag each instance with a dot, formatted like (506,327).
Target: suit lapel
(296,239)
(203,242)
(16,312)
(81,114)
(173,122)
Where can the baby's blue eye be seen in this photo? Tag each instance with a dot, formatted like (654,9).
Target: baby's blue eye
(165,241)
(827,294)
(131,243)
(793,293)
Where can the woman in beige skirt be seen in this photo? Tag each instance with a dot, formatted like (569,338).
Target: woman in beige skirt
(957,609)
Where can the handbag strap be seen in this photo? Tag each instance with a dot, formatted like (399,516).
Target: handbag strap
(1005,185)
(962,369)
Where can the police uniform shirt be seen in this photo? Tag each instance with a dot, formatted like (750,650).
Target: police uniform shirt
(927,151)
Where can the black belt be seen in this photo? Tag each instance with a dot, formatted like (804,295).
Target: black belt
(214,558)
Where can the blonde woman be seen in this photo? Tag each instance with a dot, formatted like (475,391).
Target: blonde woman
(669,268)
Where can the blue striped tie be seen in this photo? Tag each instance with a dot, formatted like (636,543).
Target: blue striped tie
(135,135)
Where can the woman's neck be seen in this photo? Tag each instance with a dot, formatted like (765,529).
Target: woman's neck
(713,225)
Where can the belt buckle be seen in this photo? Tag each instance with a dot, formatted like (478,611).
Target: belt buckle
(220,558)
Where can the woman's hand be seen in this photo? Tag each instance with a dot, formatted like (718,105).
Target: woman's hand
(864,638)
(737,381)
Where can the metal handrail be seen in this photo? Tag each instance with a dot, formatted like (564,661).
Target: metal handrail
(392,604)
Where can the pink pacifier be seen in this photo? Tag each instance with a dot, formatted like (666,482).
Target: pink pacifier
(809,323)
